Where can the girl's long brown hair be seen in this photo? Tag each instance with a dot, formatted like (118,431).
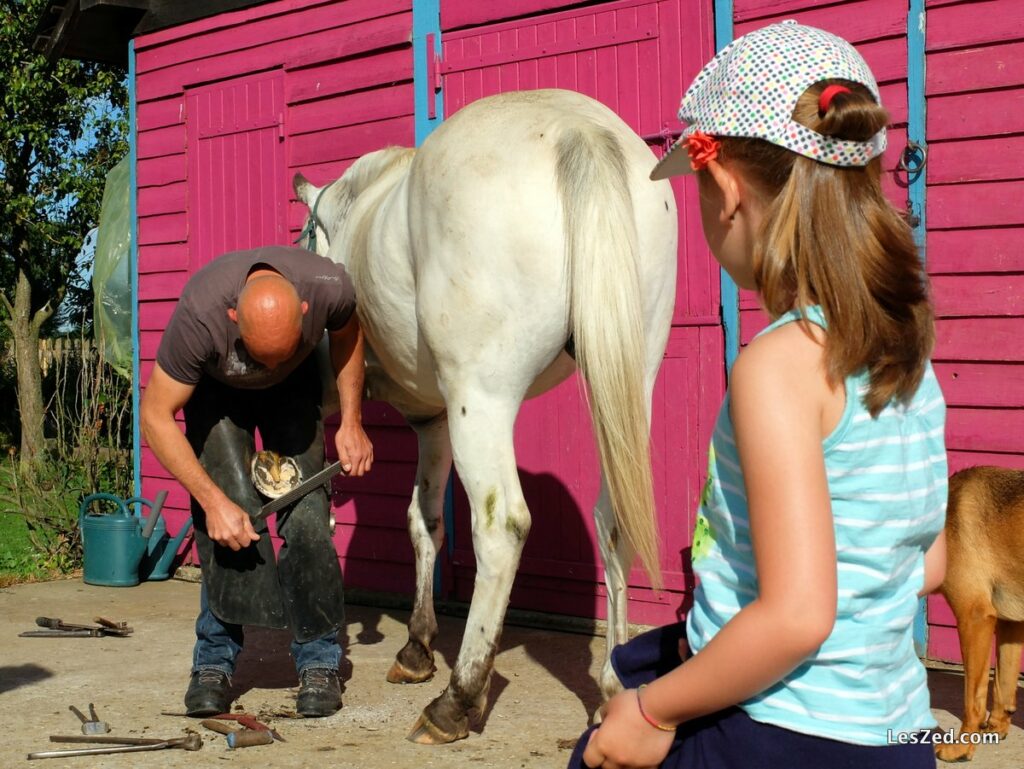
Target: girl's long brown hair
(830,237)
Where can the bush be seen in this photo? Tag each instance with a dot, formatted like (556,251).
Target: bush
(89,440)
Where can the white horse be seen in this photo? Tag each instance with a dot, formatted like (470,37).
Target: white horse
(522,239)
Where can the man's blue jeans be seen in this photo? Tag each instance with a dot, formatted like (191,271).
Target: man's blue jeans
(218,644)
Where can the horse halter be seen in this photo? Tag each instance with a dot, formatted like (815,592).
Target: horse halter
(309,231)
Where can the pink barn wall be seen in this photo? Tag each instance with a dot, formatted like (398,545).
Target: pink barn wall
(975,124)
(344,74)
(633,55)
(877,28)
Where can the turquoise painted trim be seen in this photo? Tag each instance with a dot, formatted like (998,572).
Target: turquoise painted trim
(729,291)
(426,20)
(917,111)
(133,162)
(916,192)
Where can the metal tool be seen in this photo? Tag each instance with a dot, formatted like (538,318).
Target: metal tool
(91,725)
(57,628)
(127,745)
(299,491)
(259,734)
(250,722)
(247,738)
(106,739)
(58,634)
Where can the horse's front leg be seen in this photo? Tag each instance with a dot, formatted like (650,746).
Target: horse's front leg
(415,662)
(617,557)
(481,432)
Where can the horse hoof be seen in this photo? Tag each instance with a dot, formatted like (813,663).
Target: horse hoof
(425,732)
(400,674)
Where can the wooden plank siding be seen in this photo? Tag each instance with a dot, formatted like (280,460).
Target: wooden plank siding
(634,56)
(975,132)
(345,71)
(878,30)
(458,14)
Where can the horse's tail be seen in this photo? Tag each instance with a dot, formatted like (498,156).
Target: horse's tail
(607,324)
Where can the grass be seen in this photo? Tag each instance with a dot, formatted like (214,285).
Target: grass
(19,562)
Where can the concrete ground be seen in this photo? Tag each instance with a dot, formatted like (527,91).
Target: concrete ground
(541,694)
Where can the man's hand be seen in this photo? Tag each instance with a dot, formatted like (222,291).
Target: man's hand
(229,525)
(354,449)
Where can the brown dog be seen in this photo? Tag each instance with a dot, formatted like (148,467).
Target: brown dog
(984,586)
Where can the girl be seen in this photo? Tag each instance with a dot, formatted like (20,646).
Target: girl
(820,522)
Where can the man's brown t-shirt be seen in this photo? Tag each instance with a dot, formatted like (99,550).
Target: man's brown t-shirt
(201,339)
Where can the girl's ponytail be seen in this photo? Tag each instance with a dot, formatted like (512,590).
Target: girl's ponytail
(832,238)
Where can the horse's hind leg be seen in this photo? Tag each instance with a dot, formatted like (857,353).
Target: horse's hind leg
(481,433)
(415,662)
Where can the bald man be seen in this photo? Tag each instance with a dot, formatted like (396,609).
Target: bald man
(236,358)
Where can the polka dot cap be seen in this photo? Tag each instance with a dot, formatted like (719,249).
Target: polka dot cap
(752,85)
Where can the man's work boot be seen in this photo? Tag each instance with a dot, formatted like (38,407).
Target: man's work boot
(207,693)
(319,693)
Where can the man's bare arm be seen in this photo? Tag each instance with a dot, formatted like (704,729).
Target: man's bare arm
(226,523)
(347,357)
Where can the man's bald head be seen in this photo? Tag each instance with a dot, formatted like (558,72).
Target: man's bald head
(269,317)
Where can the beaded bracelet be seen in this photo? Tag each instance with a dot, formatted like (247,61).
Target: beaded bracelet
(647,718)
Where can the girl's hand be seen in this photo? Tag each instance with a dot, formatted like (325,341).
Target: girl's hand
(624,739)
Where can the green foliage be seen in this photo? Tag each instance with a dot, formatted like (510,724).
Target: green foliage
(91,422)
(18,558)
(63,124)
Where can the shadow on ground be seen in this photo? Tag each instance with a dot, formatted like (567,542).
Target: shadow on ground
(947,690)
(15,676)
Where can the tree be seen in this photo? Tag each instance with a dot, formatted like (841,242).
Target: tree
(62,125)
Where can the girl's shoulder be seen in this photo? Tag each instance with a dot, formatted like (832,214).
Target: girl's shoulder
(784,367)
(794,348)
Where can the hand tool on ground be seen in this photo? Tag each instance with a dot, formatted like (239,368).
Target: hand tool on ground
(247,738)
(299,491)
(91,725)
(244,720)
(57,628)
(58,634)
(191,742)
(111,624)
(250,722)
(106,739)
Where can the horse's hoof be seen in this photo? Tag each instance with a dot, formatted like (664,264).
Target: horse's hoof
(425,732)
(400,674)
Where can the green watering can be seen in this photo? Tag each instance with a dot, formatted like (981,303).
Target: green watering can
(120,549)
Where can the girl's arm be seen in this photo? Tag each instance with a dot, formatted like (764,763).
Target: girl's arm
(934,565)
(781,408)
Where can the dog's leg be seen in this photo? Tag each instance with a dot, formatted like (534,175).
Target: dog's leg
(976,623)
(1009,642)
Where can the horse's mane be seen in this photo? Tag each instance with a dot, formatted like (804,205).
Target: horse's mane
(365,171)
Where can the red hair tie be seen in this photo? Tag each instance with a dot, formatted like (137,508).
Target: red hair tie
(702,149)
(825,100)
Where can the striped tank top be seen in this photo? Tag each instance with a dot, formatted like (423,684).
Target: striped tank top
(887,480)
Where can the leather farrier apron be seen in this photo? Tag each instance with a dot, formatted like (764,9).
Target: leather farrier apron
(301,589)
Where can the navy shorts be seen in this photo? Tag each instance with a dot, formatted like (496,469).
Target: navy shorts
(730,739)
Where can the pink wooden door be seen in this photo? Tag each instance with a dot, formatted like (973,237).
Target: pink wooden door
(878,30)
(633,55)
(238,192)
(975,133)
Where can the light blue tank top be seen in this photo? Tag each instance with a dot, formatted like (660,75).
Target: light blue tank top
(887,480)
